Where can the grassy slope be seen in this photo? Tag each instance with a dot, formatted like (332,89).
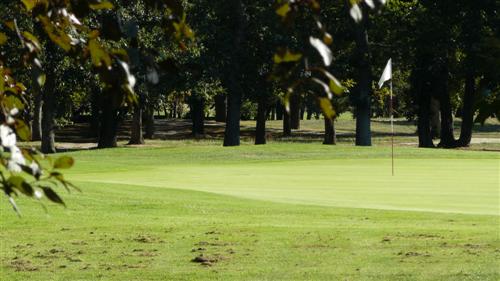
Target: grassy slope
(129,225)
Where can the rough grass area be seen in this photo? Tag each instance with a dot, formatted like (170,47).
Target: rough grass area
(285,211)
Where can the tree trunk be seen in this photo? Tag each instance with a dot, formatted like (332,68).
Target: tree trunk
(302,111)
(235,92)
(472,37)
(424,104)
(279,110)
(149,126)
(260,130)
(435,119)
(362,91)
(136,136)
(447,137)
(287,129)
(174,110)
(330,135)
(49,102)
(48,110)
(295,112)
(197,116)
(467,111)
(109,125)
(220,108)
(424,130)
(36,133)
(232,132)
(165,111)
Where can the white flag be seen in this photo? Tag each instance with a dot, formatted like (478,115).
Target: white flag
(387,75)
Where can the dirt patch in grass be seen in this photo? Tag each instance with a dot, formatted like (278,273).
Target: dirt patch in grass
(208,260)
(414,254)
(145,253)
(147,239)
(22,265)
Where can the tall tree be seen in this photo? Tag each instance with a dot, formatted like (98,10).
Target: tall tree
(471,29)
(234,21)
(362,92)
(49,98)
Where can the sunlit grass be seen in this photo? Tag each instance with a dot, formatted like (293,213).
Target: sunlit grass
(285,211)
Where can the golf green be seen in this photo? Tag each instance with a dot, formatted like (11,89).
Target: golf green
(465,182)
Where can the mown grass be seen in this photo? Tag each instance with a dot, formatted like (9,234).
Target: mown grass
(285,211)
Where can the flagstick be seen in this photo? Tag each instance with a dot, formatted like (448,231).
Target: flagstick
(392,128)
(387,76)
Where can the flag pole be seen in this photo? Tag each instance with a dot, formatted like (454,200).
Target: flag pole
(387,76)
(392,127)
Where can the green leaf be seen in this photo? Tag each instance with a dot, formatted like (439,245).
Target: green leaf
(182,29)
(326,107)
(29,4)
(13,101)
(21,184)
(3,38)
(287,56)
(10,24)
(327,38)
(64,162)
(283,10)
(98,54)
(52,195)
(55,34)
(41,79)
(334,84)
(22,130)
(314,5)
(32,38)
(105,5)
(2,80)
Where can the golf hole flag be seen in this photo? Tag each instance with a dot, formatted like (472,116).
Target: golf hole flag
(387,75)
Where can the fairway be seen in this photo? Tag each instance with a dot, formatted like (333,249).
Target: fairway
(285,211)
(332,176)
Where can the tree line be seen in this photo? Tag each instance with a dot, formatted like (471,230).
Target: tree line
(238,59)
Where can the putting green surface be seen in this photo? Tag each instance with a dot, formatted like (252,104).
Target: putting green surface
(277,212)
(437,181)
